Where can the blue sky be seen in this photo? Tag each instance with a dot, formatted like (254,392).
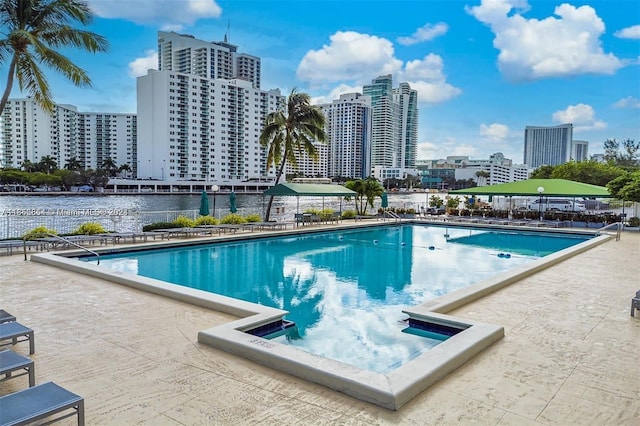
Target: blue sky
(484,69)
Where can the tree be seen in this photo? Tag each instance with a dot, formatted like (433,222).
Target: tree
(624,154)
(626,186)
(47,164)
(28,166)
(367,190)
(126,168)
(34,30)
(110,167)
(542,172)
(292,131)
(591,172)
(73,164)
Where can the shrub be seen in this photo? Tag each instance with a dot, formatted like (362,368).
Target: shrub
(253,218)
(634,221)
(159,225)
(38,232)
(411,211)
(89,228)
(184,222)
(233,219)
(206,220)
(312,211)
(348,214)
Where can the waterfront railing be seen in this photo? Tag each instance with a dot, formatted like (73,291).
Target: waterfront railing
(14,223)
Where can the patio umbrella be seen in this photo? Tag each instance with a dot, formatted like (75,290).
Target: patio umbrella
(385,200)
(232,202)
(204,204)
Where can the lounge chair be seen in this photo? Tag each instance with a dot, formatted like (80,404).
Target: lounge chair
(14,330)
(635,303)
(40,402)
(6,316)
(11,361)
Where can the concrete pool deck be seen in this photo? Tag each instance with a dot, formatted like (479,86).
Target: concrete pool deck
(569,356)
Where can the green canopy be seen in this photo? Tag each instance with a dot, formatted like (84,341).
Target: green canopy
(385,200)
(310,189)
(551,188)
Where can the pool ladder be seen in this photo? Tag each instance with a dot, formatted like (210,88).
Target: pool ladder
(66,241)
(618,226)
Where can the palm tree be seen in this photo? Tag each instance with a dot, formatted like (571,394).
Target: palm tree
(35,28)
(110,166)
(292,131)
(47,164)
(126,168)
(367,190)
(73,164)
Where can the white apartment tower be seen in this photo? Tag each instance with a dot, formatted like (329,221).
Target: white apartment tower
(216,60)
(549,146)
(30,133)
(196,128)
(394,141)
(348,129)
(201,114)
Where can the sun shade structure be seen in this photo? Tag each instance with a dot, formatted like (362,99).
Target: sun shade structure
(309,190)
(552,188)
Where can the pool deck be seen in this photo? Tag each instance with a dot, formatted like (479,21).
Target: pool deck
(570,355)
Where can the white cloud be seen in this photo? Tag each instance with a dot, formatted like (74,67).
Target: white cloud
(426,76)
(139,67)
(629,32)
(354,59)
(628,102)
(495,132)
(350,56)
(170,13)
(425,33)
(582,116)
(559,46)
(335,94)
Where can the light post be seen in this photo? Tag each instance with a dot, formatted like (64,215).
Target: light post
(164,163)
(214,189)
(540,191)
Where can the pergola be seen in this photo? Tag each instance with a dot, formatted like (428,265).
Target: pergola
(531,187)
(539,188)
(309,190)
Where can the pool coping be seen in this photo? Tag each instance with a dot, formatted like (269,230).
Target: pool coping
(390,390)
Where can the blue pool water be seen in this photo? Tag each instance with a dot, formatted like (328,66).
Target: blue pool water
(346,290)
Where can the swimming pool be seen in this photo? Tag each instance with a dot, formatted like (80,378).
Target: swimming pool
(346,291)
(397,386)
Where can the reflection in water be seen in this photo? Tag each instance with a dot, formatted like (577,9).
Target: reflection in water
(345,290)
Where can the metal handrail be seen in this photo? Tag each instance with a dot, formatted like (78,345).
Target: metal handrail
(618,226)
(66,241)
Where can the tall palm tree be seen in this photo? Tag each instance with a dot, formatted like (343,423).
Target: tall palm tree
(47,164)
(34,30)
(73,164)
(292,131)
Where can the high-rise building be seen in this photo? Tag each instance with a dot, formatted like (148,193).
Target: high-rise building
(216,60)
(190,127)
(549,146)
(407,100)
(394,141)
(201,113)
(579,150)
(30,133)
(348,129)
